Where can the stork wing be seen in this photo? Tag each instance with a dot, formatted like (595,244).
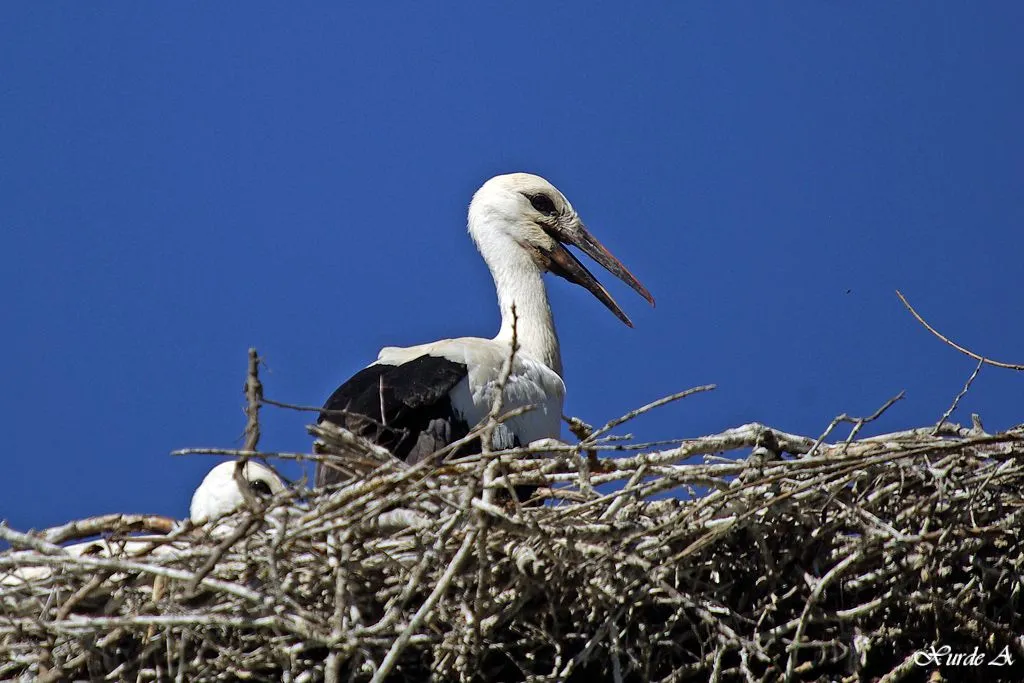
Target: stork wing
(404,408)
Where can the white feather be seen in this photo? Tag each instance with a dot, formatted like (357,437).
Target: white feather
(219,495)
(216,496)
(531,383)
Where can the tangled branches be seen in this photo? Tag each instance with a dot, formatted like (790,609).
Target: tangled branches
(806,560)
(889,558)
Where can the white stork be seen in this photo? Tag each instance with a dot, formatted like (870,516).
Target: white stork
(418,399)
(218,495)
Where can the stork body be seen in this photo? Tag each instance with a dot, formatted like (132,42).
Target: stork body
(415,400)
(218,495)
(421,398)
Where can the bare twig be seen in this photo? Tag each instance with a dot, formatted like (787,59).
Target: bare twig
(857,423)
(443,584)
(959,397)
(253,396)
(854,553)
(950,342)
(487,437)
(107,524)
(612,424)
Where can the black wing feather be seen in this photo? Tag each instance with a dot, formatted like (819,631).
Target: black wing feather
(404,408)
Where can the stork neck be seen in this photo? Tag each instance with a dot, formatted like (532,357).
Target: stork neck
(522,285)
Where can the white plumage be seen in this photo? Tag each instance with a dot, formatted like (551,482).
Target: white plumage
(218,495)
(414,400)
(530,383)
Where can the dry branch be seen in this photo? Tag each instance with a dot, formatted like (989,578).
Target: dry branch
(793,559)
(835,566)
(962,349)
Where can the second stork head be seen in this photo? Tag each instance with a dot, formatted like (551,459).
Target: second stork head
(528,211)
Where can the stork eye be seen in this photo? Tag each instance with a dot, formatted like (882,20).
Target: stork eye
(261,488)
(543,203)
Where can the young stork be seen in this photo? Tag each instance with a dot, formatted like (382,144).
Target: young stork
(418,399)
(217,496)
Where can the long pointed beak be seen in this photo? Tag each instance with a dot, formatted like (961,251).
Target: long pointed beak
(565,265)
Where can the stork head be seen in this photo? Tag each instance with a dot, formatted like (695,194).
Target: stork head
(219,494)
(532,213)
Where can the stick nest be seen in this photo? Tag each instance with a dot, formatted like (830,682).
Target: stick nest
(801,560)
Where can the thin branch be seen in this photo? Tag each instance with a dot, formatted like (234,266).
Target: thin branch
(443,584)
(107,524)
(612,424)
(857,423)
(950,342)
(423,571)
(487,436)
(253,395)
(959,397)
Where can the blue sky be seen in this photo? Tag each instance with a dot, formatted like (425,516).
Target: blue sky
(181,181)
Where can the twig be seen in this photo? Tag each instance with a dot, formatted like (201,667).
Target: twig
(419,572)
(241,531)
(958,347)
(253,396)
(58,558)
(812,599)
(113,524)
(612,424)
(959,397)
(395,651)
(487,436)
(857,423)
